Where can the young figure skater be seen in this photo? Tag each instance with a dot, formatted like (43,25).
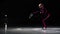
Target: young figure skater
(44,14)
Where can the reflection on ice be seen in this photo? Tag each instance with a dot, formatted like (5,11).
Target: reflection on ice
(48,30)
(31,31)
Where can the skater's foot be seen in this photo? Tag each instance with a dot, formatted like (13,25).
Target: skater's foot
(44,28)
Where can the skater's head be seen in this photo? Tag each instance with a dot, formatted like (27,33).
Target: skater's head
(41,6)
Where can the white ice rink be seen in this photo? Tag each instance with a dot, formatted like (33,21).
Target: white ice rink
(32,31)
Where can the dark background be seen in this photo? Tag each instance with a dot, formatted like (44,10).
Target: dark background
(3,11)
(19,11)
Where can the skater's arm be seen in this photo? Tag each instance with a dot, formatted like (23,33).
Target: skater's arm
(31,14)
(35,12)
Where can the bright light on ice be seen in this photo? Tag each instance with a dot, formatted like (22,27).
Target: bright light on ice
(36,29)
(5,27)
(43,30)
(18,29)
